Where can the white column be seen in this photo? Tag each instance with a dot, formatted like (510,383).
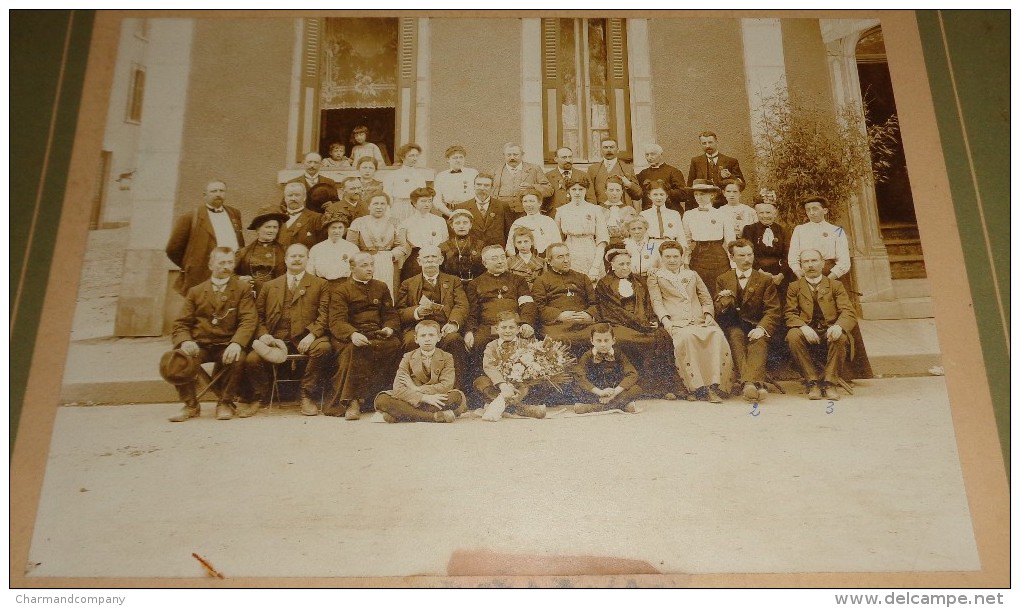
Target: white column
(642,108)
(532,134)
(143,292)
(764,66)
(422,91)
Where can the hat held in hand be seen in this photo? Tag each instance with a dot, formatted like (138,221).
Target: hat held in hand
(275,352)
(177,368)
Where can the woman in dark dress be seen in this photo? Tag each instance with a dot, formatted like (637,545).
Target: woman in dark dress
(263,259)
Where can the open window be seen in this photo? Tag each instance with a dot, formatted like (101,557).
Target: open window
(585,83)
(357,72)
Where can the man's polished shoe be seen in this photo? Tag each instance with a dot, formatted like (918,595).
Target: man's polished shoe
(815,392)
(830,392)
(444,416)
(308,407)
(224,410)
(750,391)
(191,409)
(390,418)
(353,410)
(247,410)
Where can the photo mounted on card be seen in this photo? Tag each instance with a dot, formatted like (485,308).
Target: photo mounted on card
(799,358)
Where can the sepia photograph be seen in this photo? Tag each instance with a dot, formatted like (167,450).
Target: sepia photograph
(504,299)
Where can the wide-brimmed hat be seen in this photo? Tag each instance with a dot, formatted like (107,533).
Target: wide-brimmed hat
(703,185)
(177,367)
(274,353)
(334,215)
(612,253)
(269,212)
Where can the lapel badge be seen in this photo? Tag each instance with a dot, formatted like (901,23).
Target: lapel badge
(375,301)
(302,292)
(825,235)
(669,225)
(713,221)
(491,214)
(269,255)
(215,321)
(223,298)
(505,288)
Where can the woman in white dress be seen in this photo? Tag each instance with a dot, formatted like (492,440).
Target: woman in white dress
(331,259)
(644,251)
(421,228)
(399,182)
(584,230)
(544,230)
(377,234)
(684,307)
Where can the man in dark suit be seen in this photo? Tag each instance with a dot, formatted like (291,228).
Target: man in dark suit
(558,178)
(449,307)
(303,225)
(748,311)
(293,307)
(496,291)
(511,179)
(713,166)
(311,176)
(565,300)
(217,324)
(491,219)
(197,233)
(363,329)
(670,175)
(600,172)
(820,316)
(352,200)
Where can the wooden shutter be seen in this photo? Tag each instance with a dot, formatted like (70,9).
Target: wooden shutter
(407,75)
(618,82)
(308,118)
(550,88)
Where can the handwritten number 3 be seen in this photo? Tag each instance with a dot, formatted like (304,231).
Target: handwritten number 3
(828,408)
(754,410)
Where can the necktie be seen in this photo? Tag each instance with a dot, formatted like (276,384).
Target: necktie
(743,280)
(211,210)
(566,175)
(662,229)
(484,209)
(292,280)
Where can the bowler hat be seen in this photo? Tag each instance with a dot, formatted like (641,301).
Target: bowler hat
(269,212)
(703,185)
(274,353)
(177,367)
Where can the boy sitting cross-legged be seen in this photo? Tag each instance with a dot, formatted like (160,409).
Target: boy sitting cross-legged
(604,378)
(423,389)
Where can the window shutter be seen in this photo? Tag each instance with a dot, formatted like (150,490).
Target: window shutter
(618,81)
(407,74)
(308,121)
(550,87)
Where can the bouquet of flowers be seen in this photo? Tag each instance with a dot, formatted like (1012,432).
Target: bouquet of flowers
(529,365)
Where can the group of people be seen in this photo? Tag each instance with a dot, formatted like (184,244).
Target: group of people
(407,308)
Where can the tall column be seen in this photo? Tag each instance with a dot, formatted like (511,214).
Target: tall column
(765,68)
(870,259)
(145,286)
(532,136)
(642,109)
(422,91)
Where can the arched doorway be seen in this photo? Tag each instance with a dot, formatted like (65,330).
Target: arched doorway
(897,219)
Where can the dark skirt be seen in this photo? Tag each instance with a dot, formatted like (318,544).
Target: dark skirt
(709,260)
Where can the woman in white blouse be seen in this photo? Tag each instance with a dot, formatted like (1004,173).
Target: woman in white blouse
(377,234)
(543,228)
(584,230)
(421,228)
(708,230)
(399,182)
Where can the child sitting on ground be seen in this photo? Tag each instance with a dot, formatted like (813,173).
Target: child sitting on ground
(423,389)
(493,384)
(604,378)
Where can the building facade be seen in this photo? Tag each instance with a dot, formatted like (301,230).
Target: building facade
(242,100)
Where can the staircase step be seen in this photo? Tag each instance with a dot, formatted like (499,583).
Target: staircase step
(911,288)
(899,231)
(899,247)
